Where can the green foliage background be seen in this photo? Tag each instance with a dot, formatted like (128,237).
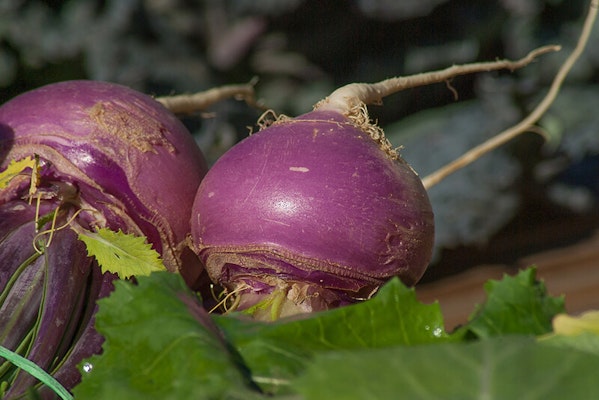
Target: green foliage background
(302,49)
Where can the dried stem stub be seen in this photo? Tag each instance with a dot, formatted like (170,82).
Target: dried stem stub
(192,103)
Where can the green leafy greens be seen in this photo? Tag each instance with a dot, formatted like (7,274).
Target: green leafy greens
(515,305)
(124,254)
(509,367)
(160,343)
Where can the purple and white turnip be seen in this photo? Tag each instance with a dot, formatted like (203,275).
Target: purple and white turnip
(312,213)
(107,157)
(318,211)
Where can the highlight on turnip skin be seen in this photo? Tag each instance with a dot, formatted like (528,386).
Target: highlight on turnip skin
(318,211)
(94,155)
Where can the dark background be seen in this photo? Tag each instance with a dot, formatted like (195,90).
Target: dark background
(527,196)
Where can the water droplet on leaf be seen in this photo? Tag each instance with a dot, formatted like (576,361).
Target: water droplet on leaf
(87,367)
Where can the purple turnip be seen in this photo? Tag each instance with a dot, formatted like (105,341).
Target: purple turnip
(318,211)
(105,156)
(311,210)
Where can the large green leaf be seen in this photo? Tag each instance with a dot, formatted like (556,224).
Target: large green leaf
(510,367)
(160,344)
(277,352)
(586,341)
(516,304)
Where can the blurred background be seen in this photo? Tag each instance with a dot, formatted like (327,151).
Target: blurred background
(533,201)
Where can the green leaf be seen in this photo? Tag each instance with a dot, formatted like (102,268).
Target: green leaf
(585,341)
(124,254)
(579,332)
(515,305)
(15,168)
(277,352)
(510,367)
(160,344)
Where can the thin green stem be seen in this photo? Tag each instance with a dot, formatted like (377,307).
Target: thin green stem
(15,276)
(37,372)
(272,302)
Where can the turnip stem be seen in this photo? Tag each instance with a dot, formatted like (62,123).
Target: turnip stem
(191,103)
(33,369)
(347,98)
(526,125)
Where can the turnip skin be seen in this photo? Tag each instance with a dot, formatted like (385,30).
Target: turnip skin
(129,157)
(312,203)
(108,157)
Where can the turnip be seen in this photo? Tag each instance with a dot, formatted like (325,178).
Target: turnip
(85,155)
(311,213)
(318,211)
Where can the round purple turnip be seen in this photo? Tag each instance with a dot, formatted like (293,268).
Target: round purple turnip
(123,152)
(312,213)
(319,210)
(108,157)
